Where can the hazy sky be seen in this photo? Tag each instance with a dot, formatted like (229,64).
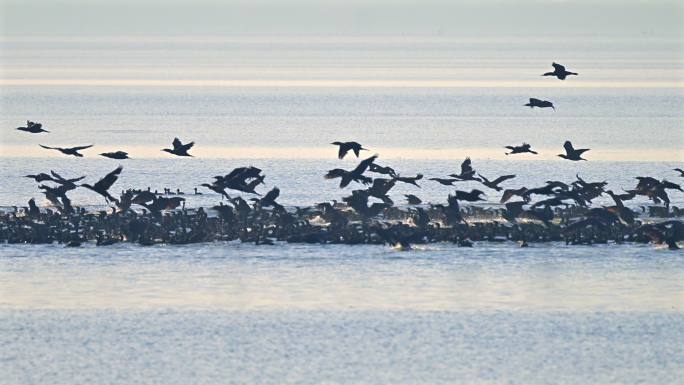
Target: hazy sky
(473,17)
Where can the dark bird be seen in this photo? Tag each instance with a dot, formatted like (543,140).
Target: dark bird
(42,177)
(380,188)
(445,181)
(105,183)
(494,184)
(681,172)
(346,146)
(412,199)
(34,128)
(355,175)
(69,184)
(559,72)
(70,150)
(409,179)
(34,211)
(381,170)
(116,155)
(269,200)
(179,149)
(510,193)
(571,153)
(467,171)
(520,149)
(472,196)
(539,103)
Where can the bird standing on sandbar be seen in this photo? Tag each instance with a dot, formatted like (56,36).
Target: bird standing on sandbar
(559,72)
(179,149)
(68,150)
(539,103)
(346,146)
(571,153)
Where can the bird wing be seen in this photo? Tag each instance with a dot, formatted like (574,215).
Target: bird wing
(54,174)
(502,178)
(109,179)
(361,168)
(579,151)
(79,148)
(534,101)
(342,151)
(188,146)
(568,147)
(558,67)
(176,143)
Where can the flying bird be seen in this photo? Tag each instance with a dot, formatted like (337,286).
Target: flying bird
(345,147)
(116,155)
(104,184)
(472,196)
(559,72)
(355,175)
(571,153)
(179,149)
(539,103)
(34,128)
(520,149)
(69,150)
(494,184)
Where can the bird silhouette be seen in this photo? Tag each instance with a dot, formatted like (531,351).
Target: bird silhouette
(539,103)
(116,155)
(467,171)
(179,149)
(680,171)
(472,196)
(445,181)
(494,184)
(571,153)
(559,72)
(34,128)
(520,149)
(345,147)
(104,184)
(355,175)
(69,150)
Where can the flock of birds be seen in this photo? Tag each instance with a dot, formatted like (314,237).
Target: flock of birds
(558,196)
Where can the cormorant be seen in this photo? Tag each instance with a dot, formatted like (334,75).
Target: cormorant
(559,72)
(467,171)
(116,155)
(105,183)
(494,184)
(34,128)
(179,149)
(355,175)
(520,149)
(410,179)
(69,151)
(346,146)
(539,103)
(412,199)
(445,181)
(472,196)
(571,153)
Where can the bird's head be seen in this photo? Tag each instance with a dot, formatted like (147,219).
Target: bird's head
(168,150)
(563,156)
(336,143)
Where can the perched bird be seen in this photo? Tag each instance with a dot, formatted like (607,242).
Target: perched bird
(104,184)
(412,199)
(269,199)
(34,128)
(116,155)
(571,153)
(539,103)
(179,149)
(494,184)
(559,72)
(69,150)
(472,196)
(520,149)
(346,146)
